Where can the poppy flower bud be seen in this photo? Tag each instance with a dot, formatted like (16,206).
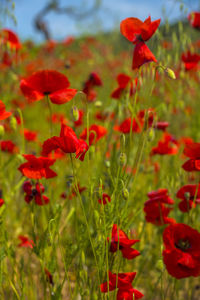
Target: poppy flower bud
(13,123)
(170,73)
(151,134)
(107,164)
(160,265)
(125,193)
(2,131)
(75,113)
(122,159)
(98,104)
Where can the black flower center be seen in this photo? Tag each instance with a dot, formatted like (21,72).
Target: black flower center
(183,245)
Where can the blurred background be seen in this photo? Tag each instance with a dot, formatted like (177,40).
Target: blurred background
(57,19)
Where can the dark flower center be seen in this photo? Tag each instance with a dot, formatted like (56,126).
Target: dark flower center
(47,93)
(183,245)
(34,192)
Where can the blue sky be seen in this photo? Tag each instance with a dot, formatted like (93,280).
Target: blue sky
(107,18)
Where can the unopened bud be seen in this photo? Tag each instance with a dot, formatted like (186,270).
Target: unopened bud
(98,104)
(75,113)
(170,73)
(160,265)
(107,164)
(151,134)
(13,123)
(2,131)
(125,193)
(122,159)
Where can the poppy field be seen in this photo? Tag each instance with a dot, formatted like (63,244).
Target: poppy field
(100,162)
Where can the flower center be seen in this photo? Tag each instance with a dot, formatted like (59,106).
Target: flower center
(183,245)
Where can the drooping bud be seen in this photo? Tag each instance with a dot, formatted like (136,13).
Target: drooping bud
(75,113)
(170,73)
(151,134)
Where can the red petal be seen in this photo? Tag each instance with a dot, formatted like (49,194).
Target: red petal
(142,55)
(62,96)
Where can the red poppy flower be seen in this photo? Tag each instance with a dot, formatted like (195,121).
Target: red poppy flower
(3,113)
(122,281)
(135,30)
(157,213)
(194,19)
(161,196)
(166,146)
(105,199)
(190,196)
(35,193)
(182,251)
(30,135)
(123,82)
(67,142)
(47,82)
(120,240)
(25,242)
(37,168)
(161,125)
(138,32)
(142,55)
(8,146)
(49,276)
(190,60)
(1,202)
(8,36)
(96,132)
(192,151)
(93,80)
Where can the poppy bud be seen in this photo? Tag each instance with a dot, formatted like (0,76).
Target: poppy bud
(170,73)
(151,134)
(122,159)
(75,113)
(2,131)
(98,104)
(160,265)
(13,123)
(125,193)
(107,164)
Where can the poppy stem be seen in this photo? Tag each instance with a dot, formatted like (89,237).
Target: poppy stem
(50,116)
(85,217)
(22,128)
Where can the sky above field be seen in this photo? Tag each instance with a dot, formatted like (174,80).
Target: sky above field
(107,18)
